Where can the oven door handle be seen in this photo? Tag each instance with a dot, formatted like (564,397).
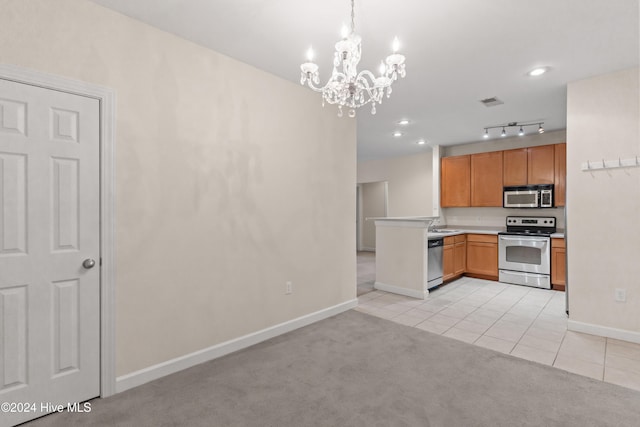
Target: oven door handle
(512,239)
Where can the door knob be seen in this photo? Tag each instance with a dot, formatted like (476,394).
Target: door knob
(88,263)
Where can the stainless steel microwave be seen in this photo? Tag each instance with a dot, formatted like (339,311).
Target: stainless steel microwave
(528,196)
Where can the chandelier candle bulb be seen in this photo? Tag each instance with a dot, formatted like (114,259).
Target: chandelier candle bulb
(396,45)
(344,32)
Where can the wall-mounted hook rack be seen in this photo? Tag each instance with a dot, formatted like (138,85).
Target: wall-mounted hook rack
(632,162)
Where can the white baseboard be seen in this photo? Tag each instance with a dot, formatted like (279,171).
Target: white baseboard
(604,331)
(402,291)
(134,379)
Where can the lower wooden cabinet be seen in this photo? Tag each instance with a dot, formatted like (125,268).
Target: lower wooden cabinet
(558,264)
(476,255)
(482,256)
(460,254)
(448,270)
(454,256)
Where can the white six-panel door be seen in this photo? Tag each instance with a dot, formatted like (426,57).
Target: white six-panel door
(49,225)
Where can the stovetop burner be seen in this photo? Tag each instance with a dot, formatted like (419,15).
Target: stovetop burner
(530,226)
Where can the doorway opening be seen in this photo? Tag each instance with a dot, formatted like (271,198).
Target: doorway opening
(372,202)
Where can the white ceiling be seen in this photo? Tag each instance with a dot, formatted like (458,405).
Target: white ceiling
(458,52)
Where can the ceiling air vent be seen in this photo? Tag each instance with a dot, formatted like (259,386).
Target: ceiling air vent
(491,102)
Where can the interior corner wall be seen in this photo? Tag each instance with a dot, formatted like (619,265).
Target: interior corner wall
(229,181)
(603,207)
(409,182)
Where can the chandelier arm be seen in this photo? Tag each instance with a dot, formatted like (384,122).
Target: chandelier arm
(336,77)
(374,80)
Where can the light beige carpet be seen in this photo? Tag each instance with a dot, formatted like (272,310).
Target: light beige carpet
(358,370)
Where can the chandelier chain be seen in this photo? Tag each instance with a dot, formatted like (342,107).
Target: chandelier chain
(353,17)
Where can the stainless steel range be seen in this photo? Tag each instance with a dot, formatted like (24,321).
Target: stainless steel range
(524,251)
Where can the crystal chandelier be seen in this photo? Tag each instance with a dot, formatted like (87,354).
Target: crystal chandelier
(347,87)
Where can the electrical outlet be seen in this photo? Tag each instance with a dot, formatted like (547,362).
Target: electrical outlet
(621,295)
(288,290)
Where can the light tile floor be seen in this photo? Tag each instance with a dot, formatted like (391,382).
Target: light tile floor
(525,322)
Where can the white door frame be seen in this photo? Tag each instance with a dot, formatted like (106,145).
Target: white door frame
(106,97)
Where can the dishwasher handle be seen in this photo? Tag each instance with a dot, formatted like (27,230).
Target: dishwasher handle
(434,243)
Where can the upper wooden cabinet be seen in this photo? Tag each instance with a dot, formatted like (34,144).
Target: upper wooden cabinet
(455,181)
(477,179)
(540,165)
(560,171)
(486,179)
(528,166)
(515,166)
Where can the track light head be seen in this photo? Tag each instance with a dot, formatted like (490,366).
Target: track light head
(504,132)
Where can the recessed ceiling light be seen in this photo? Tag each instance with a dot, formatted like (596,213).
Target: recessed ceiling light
(397,134)
(421,142)
(538,71)
(403,122)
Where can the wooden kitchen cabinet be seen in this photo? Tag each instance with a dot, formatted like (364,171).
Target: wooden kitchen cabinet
(560,174)
(529,166)
(540,165)
(459,254)
(454,257)
(515,166)
(482,256)
(558,264)
(455,181)
(478,179)
(486,179)
(448,268)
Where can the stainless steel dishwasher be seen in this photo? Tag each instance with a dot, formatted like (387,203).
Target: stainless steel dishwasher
(434,265)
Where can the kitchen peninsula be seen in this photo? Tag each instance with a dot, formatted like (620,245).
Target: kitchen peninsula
(401,255)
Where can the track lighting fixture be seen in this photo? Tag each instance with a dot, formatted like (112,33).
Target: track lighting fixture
(521,128)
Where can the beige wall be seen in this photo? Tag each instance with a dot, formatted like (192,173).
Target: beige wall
(374,205)
(409,179)
(603,207)
(230,181)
